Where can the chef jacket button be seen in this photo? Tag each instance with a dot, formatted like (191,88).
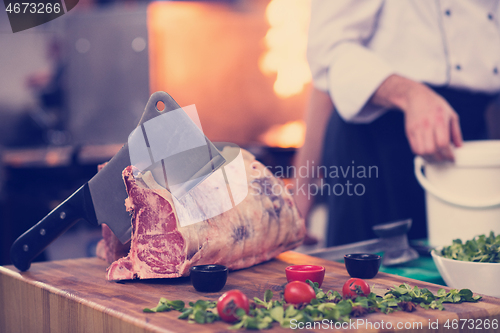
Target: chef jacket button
(447,12)
(490,16)
(495,70)
(458,67)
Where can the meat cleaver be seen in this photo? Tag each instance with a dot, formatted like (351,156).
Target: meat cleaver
(166,142)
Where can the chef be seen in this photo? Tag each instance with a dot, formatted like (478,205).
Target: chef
(394,79)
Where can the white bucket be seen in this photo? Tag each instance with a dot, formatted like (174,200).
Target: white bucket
(463,198)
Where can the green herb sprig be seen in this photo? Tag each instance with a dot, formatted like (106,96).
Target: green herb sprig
(166,305)
(200,312)
(426,299)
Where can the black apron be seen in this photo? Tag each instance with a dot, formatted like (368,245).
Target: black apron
(383,187)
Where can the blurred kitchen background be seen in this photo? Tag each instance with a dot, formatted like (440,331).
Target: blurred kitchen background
(72,90)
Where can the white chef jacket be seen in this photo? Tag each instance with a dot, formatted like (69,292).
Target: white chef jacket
(354,45)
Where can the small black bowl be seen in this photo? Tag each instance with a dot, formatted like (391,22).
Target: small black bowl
(362,265)
(208,278)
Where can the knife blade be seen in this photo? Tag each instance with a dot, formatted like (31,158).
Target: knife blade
(102,198)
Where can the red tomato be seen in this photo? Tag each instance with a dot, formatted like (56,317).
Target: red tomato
(354,288)
(297,292)
(229,302)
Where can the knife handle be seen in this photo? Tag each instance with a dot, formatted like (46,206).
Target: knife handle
(35,240)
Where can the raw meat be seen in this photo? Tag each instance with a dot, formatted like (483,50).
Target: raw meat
(265,224)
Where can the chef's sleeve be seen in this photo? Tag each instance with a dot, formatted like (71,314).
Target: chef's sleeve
(340,63)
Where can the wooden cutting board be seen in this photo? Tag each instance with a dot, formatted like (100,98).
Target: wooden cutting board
(73,296)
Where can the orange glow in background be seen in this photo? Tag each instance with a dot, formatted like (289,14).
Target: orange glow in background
(286,43)
(227,60)
(290,135)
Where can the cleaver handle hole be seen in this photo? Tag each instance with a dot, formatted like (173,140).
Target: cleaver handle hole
(160,106)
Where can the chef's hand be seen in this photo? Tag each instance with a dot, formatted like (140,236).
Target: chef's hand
(431,125)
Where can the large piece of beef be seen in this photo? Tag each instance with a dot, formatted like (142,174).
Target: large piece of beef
(265,224)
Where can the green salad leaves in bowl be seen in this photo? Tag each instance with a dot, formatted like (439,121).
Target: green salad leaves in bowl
(473,264)
(479,249)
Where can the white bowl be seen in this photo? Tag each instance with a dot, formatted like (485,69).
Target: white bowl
(479,277)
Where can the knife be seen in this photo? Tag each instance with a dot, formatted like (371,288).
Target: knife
(166,142)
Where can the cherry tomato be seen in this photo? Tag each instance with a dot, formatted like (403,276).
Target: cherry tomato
(229,302)
(297,292)
(354,288)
